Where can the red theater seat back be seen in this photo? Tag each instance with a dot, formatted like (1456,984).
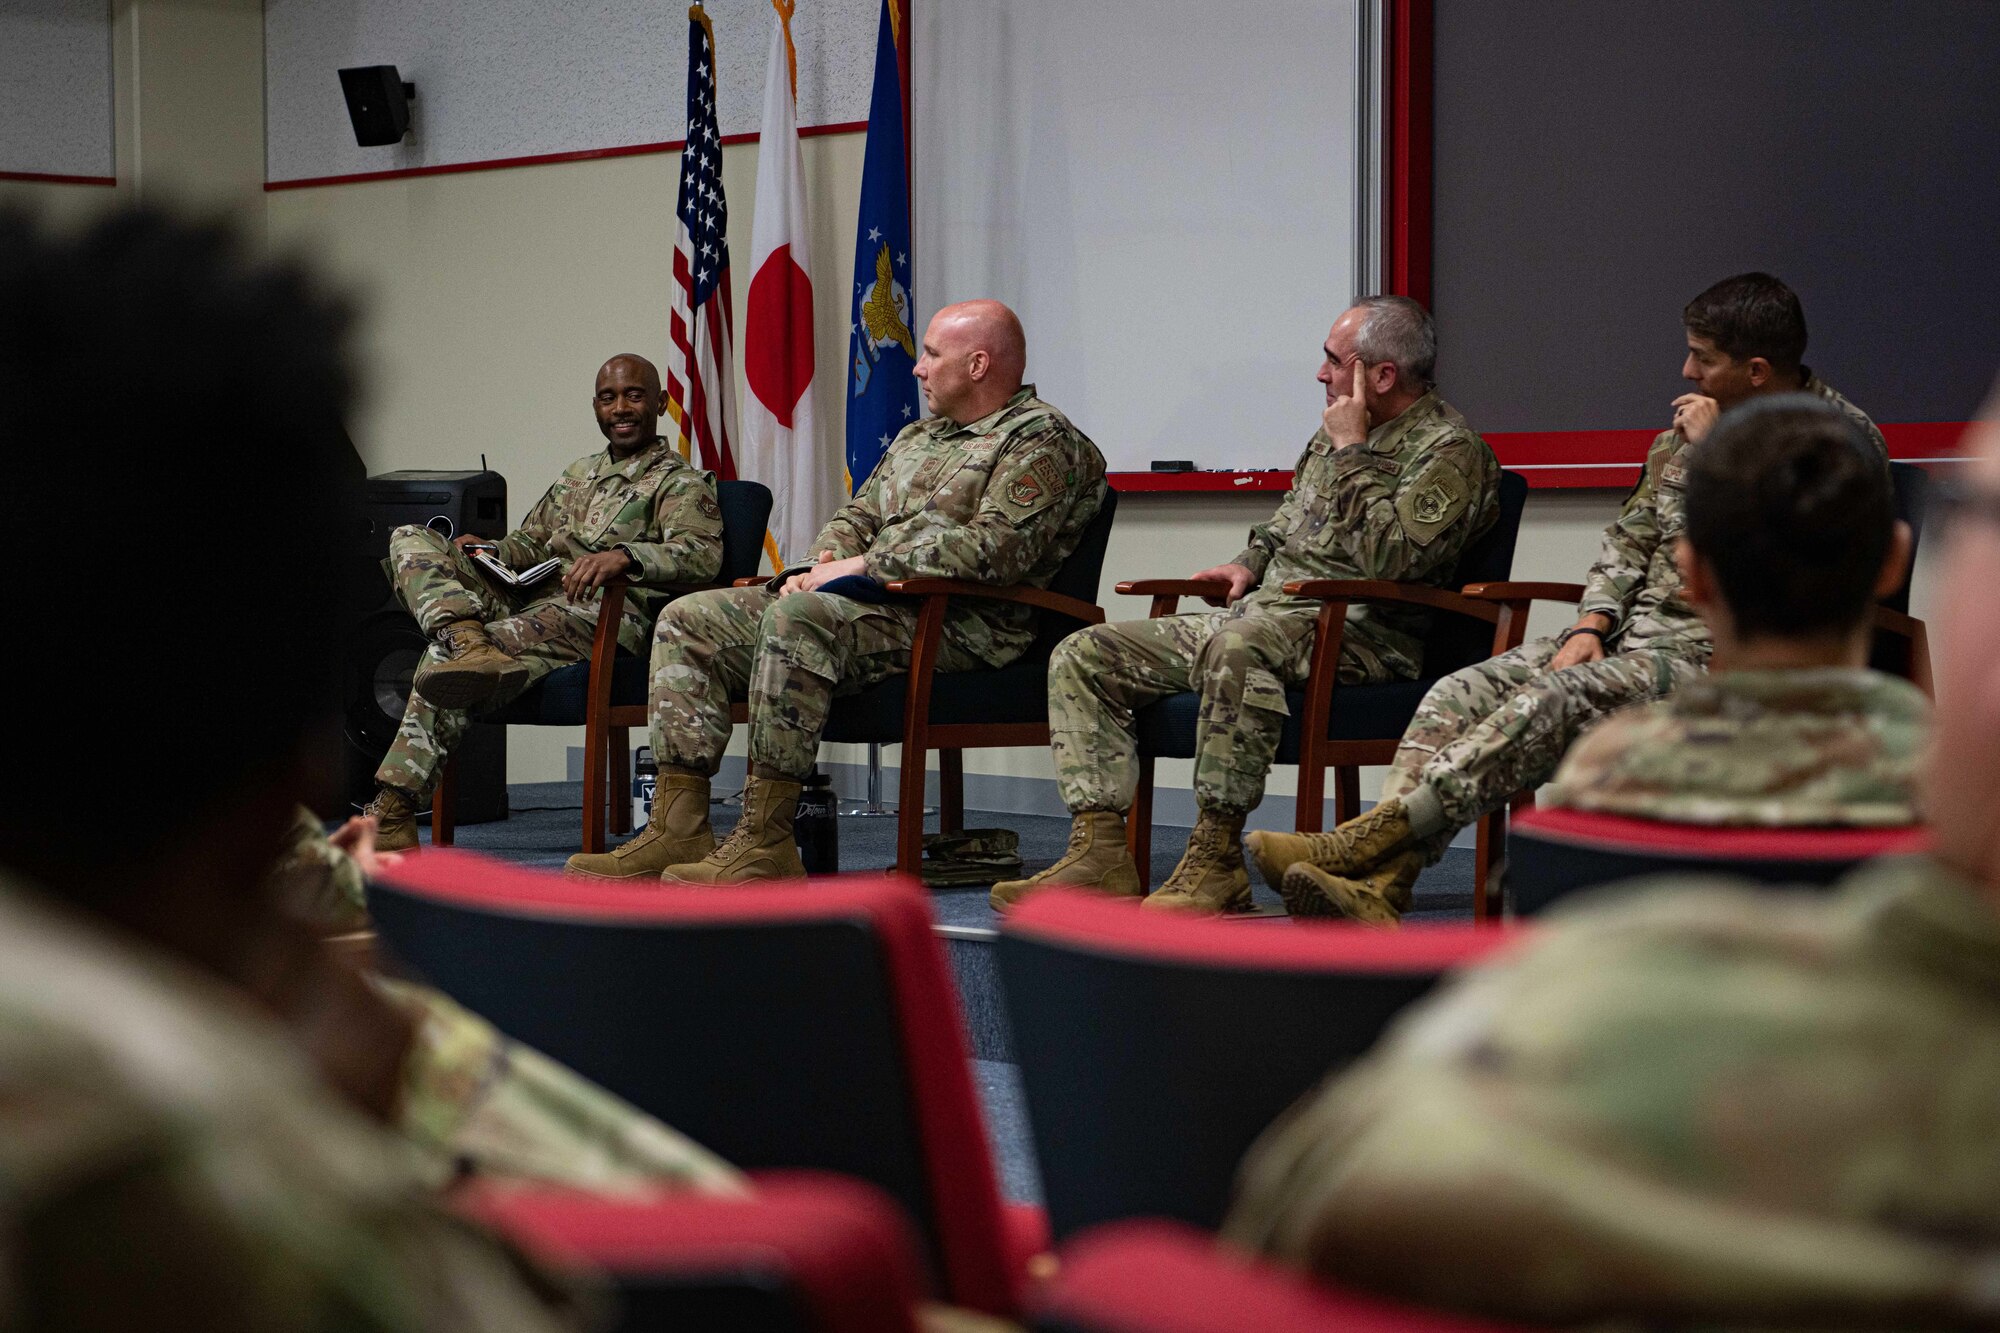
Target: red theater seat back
(1554,853)
(783,1027)
(1154,1048)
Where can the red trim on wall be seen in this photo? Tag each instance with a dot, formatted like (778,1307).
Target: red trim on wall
(545,159)
(53,178)
(1556,459)
(1406,200)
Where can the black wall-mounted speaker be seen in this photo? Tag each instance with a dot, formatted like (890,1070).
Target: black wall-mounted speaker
(378,102)
(384,647)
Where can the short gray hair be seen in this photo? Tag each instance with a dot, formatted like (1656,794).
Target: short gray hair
(1400,330)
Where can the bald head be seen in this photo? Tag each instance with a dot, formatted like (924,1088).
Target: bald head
(975,355)
(628,403)
(637,365)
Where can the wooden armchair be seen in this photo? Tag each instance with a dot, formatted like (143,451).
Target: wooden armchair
(1334,726)
(951,712)
(606,695)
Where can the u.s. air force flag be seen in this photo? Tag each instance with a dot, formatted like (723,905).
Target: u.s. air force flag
(881,391)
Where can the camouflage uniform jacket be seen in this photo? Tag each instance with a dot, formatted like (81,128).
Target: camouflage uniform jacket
(1826,745)
(1635,581)
(163,1141)
(1704,1107)
(653,506)
(1403,505)
(1001,501)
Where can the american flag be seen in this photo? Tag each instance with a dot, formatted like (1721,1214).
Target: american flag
(701,388)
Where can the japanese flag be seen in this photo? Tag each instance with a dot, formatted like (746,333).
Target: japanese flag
(782,446)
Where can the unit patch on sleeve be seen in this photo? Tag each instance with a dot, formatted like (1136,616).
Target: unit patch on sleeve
(1431,501)
(1044,480)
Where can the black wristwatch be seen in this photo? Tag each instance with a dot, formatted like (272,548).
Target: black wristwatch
(1575,630)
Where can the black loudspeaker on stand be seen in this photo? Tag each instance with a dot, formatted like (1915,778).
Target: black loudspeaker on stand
(383,649)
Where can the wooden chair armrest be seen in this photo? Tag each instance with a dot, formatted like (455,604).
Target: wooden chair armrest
(1088,612)
(1174,587)
(754,581)
(1525,592)
(604,643)
(1384,590)
(1167,593)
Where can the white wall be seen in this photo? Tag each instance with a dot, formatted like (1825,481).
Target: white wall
(516,78)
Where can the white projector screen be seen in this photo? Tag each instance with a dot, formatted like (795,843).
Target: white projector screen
(1165,190)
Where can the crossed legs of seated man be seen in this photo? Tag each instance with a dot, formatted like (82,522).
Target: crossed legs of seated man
(488,645)
(1479,736)
(1240,661)
(787,656)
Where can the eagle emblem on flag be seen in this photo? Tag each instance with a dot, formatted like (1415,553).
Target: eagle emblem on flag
(885,309)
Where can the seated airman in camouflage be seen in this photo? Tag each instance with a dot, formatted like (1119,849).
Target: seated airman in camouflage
(996,488)
(634,509)
(1393,485)
(1704,1105)
(1490,730)
(1791,538)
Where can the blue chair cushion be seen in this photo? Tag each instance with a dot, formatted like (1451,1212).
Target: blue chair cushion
(1018,692)
(557,699)
(1360,713)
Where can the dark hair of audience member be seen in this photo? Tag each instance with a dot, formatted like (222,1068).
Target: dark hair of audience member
(1752,314)
(1791,507)
(175,493)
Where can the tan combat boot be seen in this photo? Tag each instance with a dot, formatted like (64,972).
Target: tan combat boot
(759,848)
(1097,858)
(395,812)
(1350,849)
(1377,898)
(677,833)
(473,673)
(1211,876)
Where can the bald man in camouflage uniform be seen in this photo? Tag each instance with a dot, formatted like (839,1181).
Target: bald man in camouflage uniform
(1490,730)
(996,488)
(1394,485)
(634,509)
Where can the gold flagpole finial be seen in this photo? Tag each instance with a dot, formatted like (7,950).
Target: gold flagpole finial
(785,10)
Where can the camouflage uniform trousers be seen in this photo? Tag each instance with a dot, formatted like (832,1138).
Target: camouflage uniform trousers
(1239,660)
(1490,730)
(786,656)
(542,631)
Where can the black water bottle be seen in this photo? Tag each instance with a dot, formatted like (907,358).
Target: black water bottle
(817,826)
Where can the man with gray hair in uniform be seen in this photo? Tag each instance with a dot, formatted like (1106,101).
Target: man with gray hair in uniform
(1393,485)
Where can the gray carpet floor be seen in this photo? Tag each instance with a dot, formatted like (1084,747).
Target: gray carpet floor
(542,829)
